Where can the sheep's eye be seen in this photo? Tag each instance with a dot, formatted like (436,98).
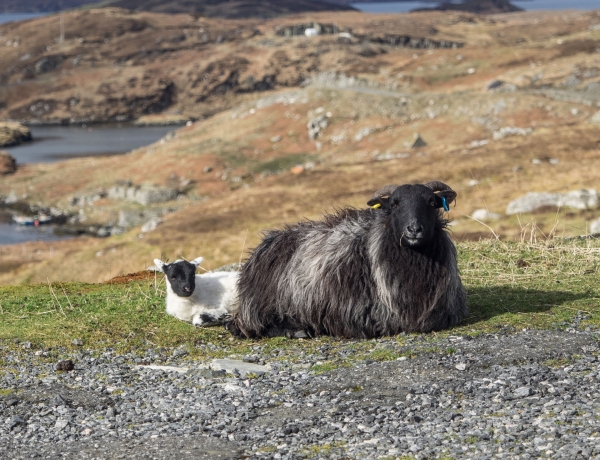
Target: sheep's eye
(394,205)
(432,203)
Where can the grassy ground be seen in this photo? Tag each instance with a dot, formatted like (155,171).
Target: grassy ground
(510,284)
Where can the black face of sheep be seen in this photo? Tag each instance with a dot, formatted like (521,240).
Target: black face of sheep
(181,275)
(413,211)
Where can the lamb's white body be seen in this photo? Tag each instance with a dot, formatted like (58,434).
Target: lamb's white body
(211,303)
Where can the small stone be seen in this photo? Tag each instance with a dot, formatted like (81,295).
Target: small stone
(181,351)
(65,366)
(461,366)
(15,420)
(58,400)
(523,392)
(77,342)
(61,424)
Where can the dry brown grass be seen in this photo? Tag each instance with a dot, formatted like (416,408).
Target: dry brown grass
(446,105)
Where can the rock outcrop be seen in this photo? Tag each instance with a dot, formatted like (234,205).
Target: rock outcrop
(142,194)
(577,199)
(13,134)
(8,165)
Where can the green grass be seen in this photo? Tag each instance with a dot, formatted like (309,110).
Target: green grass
(559,279)
(282,163)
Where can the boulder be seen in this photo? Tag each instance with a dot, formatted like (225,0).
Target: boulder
(48,63)
(511,131)
(594,227)
(151,225)
(577,199)
(485,215)
(232,366)
(133,218)
(8,164)
(142,194)
(316,126)
(595,120)
(13,134)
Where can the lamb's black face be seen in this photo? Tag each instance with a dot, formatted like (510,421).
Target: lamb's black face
(182,277)
(414,213)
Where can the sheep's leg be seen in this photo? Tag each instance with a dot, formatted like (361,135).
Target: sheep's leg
(289,328)
(232,327)
(210,318)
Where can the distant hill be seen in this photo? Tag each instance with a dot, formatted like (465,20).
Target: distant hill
(477,7)
(35,6)
(233,9)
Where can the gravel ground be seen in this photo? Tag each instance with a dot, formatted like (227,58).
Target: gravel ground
(532,394)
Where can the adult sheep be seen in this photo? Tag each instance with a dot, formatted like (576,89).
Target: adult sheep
(357,273)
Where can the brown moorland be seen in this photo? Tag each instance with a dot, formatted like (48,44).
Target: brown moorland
(375,96)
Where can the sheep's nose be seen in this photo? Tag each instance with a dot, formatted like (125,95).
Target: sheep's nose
(414,229)
(187,288)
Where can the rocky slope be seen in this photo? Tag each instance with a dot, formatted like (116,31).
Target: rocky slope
(115,65)
(509,112)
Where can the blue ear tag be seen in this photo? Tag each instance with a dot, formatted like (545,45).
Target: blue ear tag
(444,204)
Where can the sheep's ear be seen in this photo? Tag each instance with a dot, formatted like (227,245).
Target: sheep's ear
(449,195)
(159,263)
(197,261)
(379,202)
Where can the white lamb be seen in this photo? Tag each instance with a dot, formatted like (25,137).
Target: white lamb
(203,300)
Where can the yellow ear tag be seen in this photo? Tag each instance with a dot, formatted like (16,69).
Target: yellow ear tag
(375,206)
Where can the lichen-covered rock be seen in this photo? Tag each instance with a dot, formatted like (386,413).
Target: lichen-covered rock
(143,194)
(485,215)
(8,164)
(577,199)
(13,134)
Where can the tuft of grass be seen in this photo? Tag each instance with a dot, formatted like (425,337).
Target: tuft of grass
(559,362)
(384,355)
(323,450)
(327,367)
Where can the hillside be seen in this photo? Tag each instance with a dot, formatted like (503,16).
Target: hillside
(35,6)
(476,6)
(241,9)
(116,65)
(507,113)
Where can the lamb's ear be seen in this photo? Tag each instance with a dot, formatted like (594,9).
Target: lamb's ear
(159,263)
(197,261)
(378,202)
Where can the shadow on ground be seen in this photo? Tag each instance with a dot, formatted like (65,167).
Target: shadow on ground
(488,302)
